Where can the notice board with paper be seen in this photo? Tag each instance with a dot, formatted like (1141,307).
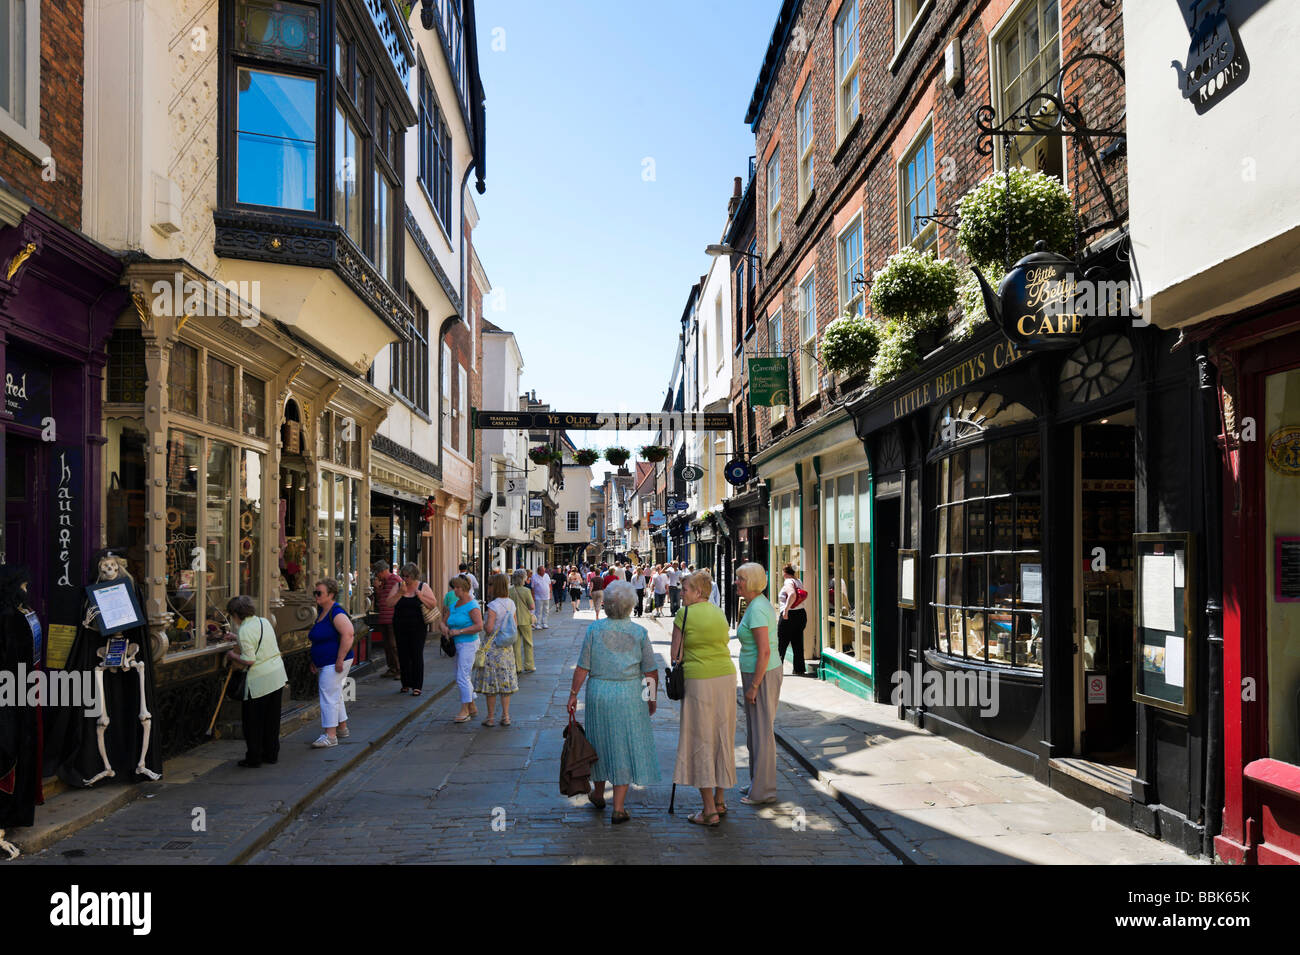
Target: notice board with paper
(1164,641)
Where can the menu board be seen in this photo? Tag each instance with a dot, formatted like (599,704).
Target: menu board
(1286,569)
(907,568)
(1164,651)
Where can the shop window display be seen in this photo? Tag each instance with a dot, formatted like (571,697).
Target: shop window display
(846,504)
(987,592)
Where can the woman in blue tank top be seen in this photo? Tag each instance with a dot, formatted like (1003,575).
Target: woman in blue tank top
(331,657)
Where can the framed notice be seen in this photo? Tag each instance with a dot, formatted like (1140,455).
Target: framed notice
(1164,652)
(1286,569)
(908,564)
(118,608)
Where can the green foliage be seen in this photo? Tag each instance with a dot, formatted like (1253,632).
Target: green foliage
(654,452)
(971,300)
(586,456)
(617,456)
(915,286)
(850,342)
(1040,211)
(897,353)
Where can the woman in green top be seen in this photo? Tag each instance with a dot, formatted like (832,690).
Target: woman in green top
(260,654)
(706,741)
(760,678)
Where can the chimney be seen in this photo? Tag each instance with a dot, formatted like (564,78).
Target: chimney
(736,189)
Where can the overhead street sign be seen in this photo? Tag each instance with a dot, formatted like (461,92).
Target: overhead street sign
(604,421)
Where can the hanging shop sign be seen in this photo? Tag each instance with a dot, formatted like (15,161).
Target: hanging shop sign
(691,472)
(535,507)
(1047,301)
(737,472)
(769,382)
(1216,60)
(658,518)
(670,421)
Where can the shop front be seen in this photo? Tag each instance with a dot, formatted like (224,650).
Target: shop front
(1257,354)
(746,517)
(236,463)
(1015,498)
(58,295)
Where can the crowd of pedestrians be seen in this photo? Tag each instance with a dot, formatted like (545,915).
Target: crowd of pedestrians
(493,645)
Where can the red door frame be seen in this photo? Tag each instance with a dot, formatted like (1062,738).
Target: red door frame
(1257,799)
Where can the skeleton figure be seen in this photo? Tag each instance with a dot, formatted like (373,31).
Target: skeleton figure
(111,568)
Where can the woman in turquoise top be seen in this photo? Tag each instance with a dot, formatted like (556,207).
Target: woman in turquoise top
(760,678)
(463,622)
(619,659)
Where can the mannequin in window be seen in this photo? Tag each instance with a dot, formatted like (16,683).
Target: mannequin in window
(21,639)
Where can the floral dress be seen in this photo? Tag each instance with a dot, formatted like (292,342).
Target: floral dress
(498,673)
(617,653)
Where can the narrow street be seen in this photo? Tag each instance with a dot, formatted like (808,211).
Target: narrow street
(438,792)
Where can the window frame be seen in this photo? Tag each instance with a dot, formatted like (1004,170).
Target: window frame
(435,151)
(847,73)
(903,32)
(844,274)
(925,237)
(408,376)
(807,356)
(775,348)
(773,195)
(1012,20)
(805,139)
(26,134)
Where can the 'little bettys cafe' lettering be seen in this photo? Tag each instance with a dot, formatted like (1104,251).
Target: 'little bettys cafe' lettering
(956,378)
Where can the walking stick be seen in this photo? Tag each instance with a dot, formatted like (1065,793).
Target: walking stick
(672,799)
(221,698)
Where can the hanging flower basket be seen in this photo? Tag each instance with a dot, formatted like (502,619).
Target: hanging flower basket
(916,287)
(1040,210)
(897,354)
(544,454)
(617,456)
(654,452)
(849,343)
(586,456)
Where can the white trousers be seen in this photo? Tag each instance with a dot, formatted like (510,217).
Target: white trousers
(542,609)
(464,667)
(332,710)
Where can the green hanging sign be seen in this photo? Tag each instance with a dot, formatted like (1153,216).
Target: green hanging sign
(769,382)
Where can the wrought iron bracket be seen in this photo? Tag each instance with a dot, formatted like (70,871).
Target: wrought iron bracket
(1047,112)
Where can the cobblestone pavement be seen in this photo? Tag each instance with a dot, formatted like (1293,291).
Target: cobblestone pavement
(447,793)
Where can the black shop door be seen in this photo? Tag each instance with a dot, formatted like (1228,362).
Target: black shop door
(886,630)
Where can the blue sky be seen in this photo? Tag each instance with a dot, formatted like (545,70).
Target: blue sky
(595,261)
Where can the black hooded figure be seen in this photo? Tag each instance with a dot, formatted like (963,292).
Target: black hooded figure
(20,725)
(72,744)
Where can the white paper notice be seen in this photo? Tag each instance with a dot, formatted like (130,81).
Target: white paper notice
(115,606)
(1158,592)
(1174,661)
(1031,583)
(1179,568)
(906,589)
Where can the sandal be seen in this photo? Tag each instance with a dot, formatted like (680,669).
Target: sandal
(505,721)
(416,692)
(700,819)
(721,807)
(461,719)
(489,722)
(619,816)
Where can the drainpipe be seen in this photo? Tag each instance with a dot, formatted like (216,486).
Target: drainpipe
(1212,503)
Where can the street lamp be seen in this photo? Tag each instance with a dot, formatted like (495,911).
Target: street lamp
(716,249)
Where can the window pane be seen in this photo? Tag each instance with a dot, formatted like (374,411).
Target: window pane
(347,177)
(1029,641)
(1029,464)
(957,529)
(250,524)
(976,536)
(183,581)
(975,635)
(278,28)
(183,379)
(221,393)
(254,406)
(1001,465)
(941,629)
(1003,538)
(1028,516)
(323,487)
(276,140)
(959,476)
(218,535)
(383,225)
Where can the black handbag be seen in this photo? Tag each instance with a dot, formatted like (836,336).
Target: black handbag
(448,646)
(239,679)
(675,675)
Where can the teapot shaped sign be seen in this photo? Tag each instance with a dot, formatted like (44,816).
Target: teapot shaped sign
(1041,303)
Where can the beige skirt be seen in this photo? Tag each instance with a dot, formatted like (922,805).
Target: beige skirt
(706,743)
